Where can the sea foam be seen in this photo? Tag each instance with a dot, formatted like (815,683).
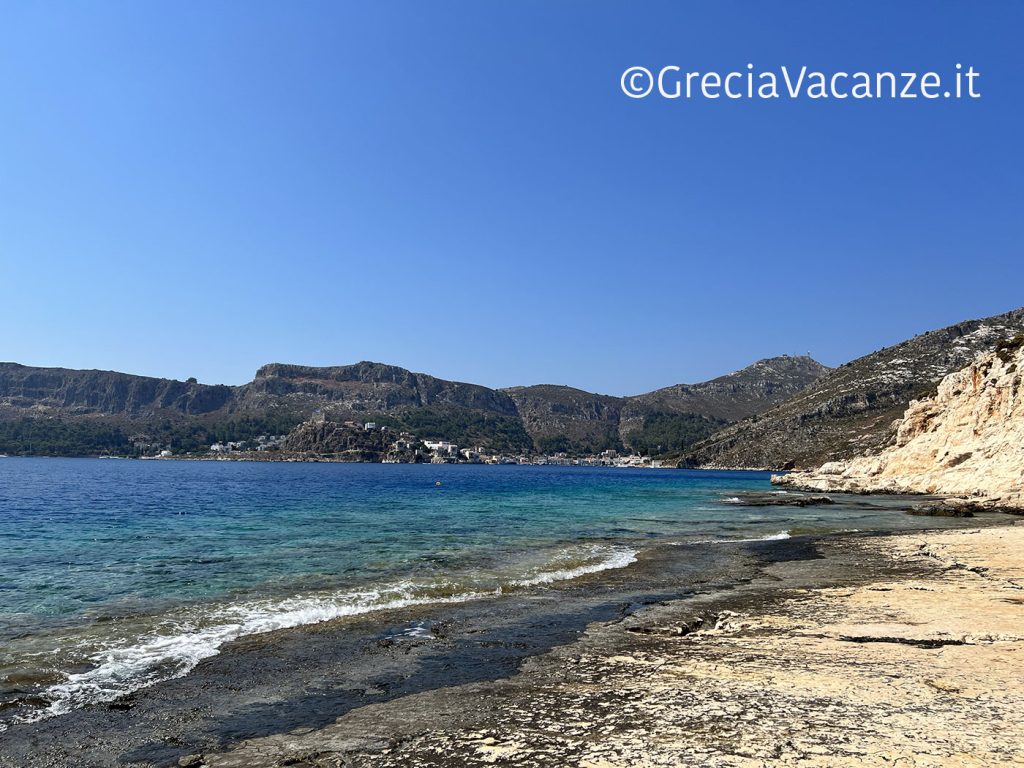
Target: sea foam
(616,559)
(181,644)
(780,536)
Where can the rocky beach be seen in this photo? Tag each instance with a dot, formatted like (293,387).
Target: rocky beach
(523,385)
(901,650)
(849,649)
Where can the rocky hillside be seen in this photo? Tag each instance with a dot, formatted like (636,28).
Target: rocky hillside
(850,411)
(365,387)
(69,412)
(338,440)
(967,440)
(560,418)
(50,391)
(728,398)
(663,420)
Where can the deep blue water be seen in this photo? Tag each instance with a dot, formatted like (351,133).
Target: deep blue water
(117,573)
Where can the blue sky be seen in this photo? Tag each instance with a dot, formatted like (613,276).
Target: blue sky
(462,188)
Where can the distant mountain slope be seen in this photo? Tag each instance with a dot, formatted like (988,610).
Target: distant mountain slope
(365,388)
(560,418)
(851,409)
(735,396)
(430,407)
(666,419)
(70,412)
(82,393)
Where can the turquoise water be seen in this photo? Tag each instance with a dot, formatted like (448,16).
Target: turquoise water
(115,574)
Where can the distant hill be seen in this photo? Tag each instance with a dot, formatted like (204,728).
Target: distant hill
(365,388)
(51,391)
(560,418)
(664,420)
(717,402)
(851,409)
(780,412)
(73,412)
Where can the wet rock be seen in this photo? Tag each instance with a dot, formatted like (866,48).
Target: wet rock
(907,666)
(778,500)
(941,511)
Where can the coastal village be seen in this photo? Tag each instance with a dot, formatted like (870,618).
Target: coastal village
(320,439)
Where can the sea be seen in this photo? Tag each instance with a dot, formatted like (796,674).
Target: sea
(119,574)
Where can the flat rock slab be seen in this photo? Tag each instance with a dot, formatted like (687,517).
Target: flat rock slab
(923,666)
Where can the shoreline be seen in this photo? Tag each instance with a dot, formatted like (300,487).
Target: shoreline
(918,664)
(300,458)
(233,707)
(803,482)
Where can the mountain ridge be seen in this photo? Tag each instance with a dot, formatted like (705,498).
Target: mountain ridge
(777,413)
(684,411)
(850,411)
(539,417)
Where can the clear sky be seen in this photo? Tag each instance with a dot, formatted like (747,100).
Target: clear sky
(195,189)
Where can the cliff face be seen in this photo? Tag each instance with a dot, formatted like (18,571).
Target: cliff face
(47,391)
(368,388)
(967,440)
(850,410)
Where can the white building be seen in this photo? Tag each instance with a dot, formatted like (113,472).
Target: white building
(442,448)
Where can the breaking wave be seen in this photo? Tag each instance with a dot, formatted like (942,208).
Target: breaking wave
(780,536)
(181,640)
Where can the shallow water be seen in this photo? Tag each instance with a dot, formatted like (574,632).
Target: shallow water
(117,574)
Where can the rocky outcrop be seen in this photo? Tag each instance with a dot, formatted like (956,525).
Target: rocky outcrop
(966,441)
(339,441)
(850,410)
